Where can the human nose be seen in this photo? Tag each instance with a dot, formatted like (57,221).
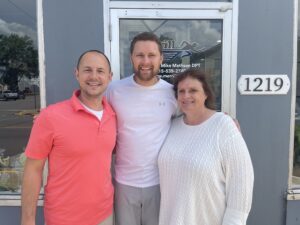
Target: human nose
(187,94)
(184,94)
(94,74)
(146,59)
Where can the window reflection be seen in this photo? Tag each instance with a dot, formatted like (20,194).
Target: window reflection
(19,87)
(296,164)
(186,43)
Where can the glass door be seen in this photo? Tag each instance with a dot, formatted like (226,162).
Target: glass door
(190,38)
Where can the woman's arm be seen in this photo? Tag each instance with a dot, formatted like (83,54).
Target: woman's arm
(239,175)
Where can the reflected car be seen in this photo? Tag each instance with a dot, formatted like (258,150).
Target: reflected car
(7,95)
(297,110)
(21,95)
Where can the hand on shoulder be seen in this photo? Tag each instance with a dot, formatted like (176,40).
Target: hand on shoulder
(235,121)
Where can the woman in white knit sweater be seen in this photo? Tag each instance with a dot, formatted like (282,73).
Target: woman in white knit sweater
(206,174)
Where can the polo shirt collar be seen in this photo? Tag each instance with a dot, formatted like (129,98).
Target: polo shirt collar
(77,105)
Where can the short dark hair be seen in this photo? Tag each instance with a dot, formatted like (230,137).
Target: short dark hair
(146,36)
(96,51)
(202,77)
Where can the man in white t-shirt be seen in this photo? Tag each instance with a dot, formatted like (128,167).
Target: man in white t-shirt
(144,105)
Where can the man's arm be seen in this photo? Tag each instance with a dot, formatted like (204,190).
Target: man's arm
(235,121)
(32,180)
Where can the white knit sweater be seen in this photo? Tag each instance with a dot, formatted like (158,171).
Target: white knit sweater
(206,174)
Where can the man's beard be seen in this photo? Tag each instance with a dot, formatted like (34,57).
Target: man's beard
(146,76)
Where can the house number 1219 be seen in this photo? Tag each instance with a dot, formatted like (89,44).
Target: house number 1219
(263,84)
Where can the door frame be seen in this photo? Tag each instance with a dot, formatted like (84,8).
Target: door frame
(115,10)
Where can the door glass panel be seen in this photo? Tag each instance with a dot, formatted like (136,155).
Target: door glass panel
(186,43)
(19,88)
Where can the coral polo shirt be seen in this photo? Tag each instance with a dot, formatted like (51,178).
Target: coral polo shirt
(79,148)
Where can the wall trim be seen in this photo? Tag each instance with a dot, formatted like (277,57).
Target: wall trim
(166,5)
(106,27)
(234,57)
(41,52)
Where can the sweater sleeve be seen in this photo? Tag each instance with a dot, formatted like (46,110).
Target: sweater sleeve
(239,176)
(234,217)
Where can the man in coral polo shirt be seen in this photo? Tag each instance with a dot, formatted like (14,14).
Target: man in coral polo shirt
(77,136)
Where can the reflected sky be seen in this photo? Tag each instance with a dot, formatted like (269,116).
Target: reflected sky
(192,31)
(19,17)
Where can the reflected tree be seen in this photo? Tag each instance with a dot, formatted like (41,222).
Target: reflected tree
(18,58)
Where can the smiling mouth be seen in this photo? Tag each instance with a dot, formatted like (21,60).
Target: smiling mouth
(188,103)
(94,84)
(145,68)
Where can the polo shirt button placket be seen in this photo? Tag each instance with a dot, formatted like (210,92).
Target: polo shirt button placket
(99,126)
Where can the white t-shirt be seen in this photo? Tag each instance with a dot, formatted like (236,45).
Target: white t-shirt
(143,121)
(96,113)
